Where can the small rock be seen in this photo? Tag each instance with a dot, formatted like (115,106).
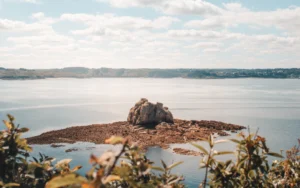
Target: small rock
(56,145)
(71,150)
(186,152)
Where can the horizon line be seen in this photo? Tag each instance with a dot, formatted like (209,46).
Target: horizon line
(146,68)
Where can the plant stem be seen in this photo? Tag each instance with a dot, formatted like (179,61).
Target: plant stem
(117,158)
(206,170)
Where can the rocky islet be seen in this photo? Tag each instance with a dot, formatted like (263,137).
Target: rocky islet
(148,124)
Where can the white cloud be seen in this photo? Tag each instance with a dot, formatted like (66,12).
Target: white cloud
(131,3)
(225,35)
(205,45)
(199,7)
(38,15)
(100,24)
(52,39)
(214,23)
(231,14)
(6,24)
(235,7)
(235,14)
(228,15)
(42,19)
(211,50)
(200,34)
(18,26)
(97,40)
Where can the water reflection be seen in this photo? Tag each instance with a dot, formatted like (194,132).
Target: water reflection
(81,157)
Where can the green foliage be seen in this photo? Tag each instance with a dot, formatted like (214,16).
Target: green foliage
(130,167)
(16,169)
(285,173)
(135,170)
(209,163)
(251,168)
(13,153)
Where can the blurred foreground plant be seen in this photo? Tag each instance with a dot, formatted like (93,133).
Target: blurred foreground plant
(16,170)
(286,173)
(130,167)
(251,168)
(134,170)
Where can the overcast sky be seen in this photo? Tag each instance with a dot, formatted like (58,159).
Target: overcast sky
(149,33)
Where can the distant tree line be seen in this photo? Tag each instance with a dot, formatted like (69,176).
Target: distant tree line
(82,72)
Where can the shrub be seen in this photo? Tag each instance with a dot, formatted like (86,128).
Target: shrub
(285,173)
(135,170)
(250,168)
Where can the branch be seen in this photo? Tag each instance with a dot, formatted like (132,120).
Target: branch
(117,158)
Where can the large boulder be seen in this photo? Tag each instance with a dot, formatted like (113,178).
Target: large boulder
(147,113)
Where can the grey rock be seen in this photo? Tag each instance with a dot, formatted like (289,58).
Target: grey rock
(147,113)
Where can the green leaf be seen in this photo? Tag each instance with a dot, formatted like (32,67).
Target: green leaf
(174,165)
(7,124)
(223,153)
(235,140)
(274,154)
(242,161)
(227,163)
(28,148)
(220,141)
(35,160)
(164,164)
(10,117)
(157,168)
(251,174)
(12,185)
(202,166)
(114,140)
(211,140)
(76,168)
(111,178)
(66,180)
(175,181)
(23,130)
(201,148)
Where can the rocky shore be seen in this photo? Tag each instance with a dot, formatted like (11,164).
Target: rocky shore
(181,131)
(148,124)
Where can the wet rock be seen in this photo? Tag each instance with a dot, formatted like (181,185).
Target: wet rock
(186,152)
(71,150)
(147,113)
(56,145)
(161,135)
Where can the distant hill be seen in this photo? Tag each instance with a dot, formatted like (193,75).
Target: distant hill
(82,72)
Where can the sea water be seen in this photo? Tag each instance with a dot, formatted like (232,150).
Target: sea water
(270,105)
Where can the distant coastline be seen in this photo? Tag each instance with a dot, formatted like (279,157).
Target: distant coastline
(82,72)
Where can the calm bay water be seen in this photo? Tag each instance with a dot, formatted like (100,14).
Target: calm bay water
(272,105)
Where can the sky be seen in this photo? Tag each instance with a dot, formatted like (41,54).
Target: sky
(150,33)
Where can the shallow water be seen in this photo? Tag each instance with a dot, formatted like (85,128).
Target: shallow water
(272,105)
